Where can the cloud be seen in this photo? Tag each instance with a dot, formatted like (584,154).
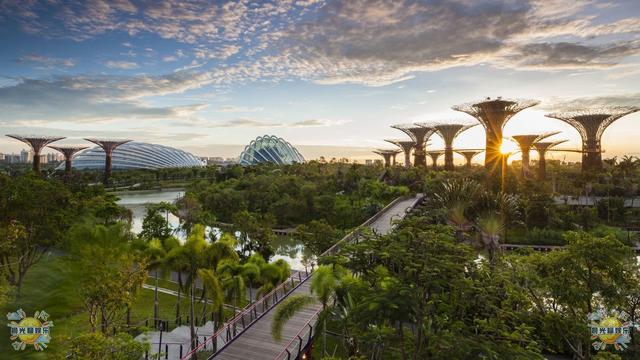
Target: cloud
(123,65)
(316,122)
(47,61)
(90,99)
(565,55)
(246,123)
(570,104)
(232,108)
(254,123)
(374,43)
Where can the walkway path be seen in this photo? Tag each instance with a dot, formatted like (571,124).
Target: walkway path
(257,342)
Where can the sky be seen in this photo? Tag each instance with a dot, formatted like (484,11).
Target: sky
(327,76)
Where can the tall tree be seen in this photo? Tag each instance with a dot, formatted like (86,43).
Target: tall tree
(109,285)
(34,216)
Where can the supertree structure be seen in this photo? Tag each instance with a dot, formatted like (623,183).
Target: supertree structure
(591,124)
(420,133)
(36,143)
(542,147)
(525,142)
(68,152)
(406,146)
(434,155)
(389,156)
(469,154)
(449,132)
(108,145)
(493,114)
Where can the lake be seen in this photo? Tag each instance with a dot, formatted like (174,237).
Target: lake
(286,248)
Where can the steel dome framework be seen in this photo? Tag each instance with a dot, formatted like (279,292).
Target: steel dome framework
(136,155)
(272,149)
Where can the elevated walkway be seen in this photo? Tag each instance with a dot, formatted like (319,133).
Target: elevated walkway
(248,334)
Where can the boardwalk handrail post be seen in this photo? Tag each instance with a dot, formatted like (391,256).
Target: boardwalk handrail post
(299,345)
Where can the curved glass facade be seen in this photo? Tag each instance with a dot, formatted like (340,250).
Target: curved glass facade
(269,148)
(135,155)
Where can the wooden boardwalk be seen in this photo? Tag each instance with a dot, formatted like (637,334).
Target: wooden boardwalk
(257,343)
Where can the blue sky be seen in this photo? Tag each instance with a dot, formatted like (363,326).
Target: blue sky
(203,74)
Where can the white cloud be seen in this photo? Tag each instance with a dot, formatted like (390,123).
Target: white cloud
(47,61)
(122,65)
(232,108)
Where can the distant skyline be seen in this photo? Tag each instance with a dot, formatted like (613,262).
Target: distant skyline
(327,76)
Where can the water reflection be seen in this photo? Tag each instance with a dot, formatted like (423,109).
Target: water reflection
(286,247)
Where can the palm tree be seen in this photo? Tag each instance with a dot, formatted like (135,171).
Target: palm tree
(177,261)
(251,273)
(192,252)
(156,254)
(490,226)
(324,283)
(221,250)
(233,281)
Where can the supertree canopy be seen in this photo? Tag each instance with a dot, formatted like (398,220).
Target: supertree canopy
(434,155)
(108,145)
(469,154)
(542,147)
(36,142)
(389,156)
(493,114)
(591,124)
(449,132)
(420,133)
(68,152)
(406,146)
(525,142)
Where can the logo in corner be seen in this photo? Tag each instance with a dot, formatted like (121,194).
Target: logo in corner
(29,330)
(610,329)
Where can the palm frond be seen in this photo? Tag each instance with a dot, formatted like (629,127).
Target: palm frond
(286,310)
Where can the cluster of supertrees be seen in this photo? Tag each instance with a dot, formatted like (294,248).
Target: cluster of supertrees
(493,114)
(38,142)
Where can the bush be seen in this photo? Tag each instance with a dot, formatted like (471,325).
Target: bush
(98,346)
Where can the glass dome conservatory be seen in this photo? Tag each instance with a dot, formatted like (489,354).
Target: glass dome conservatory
(135,155)
(269,148)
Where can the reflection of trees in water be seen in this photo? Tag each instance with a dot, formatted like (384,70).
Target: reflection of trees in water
(288,246)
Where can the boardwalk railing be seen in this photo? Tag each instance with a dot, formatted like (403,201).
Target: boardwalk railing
(253,312)
(300,342)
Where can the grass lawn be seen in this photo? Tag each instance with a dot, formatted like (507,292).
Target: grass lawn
(50,286)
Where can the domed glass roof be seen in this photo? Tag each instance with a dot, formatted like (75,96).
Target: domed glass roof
(135,155)
(269,148)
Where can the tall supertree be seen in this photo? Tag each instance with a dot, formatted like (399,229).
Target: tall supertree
(389,156)
(542,147)
(406,146)
(493,114)
(591,124)
(420,133)
(68,152)
(449,132)
(434,155)
(36,143)
(108,145)
(525,142)
(469,154)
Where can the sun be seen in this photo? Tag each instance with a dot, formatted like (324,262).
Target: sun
(508,147)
